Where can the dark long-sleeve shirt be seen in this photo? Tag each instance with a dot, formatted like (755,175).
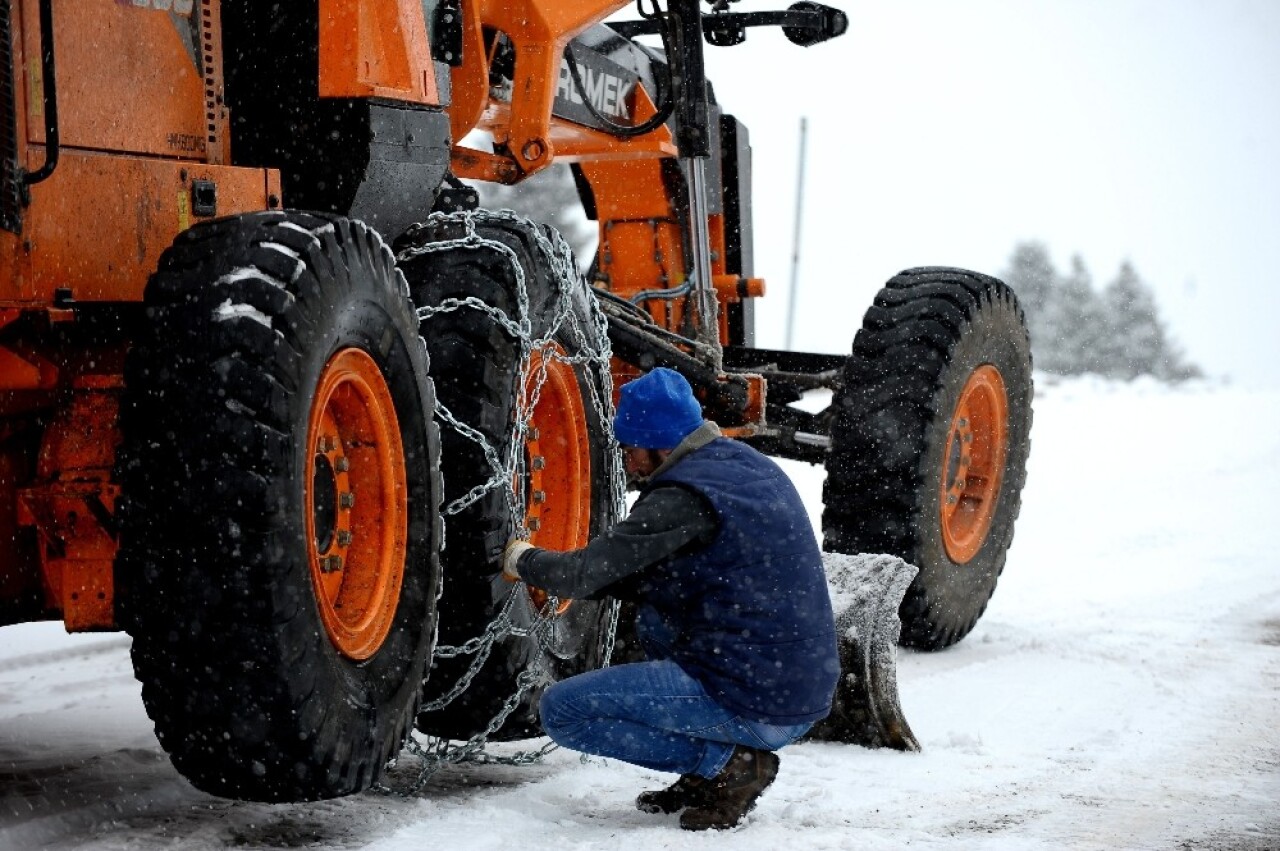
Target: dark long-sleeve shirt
(663,522)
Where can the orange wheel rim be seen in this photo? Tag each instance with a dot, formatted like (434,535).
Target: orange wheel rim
(357,504)
(973,464)
(557,480)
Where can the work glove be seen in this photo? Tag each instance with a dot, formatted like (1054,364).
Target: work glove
(510,557)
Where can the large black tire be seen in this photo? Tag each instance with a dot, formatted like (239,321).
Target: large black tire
(930,443)
(478,370)
(272,672)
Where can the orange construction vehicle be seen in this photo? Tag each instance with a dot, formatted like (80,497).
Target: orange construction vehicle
(259,351)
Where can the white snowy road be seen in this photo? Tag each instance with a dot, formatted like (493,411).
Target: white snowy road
(1122,692)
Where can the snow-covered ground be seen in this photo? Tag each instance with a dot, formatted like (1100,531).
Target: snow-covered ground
(1123,690)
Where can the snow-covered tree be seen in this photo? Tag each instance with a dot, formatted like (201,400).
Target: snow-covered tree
(1075,330)
(1035,280)
(1076,324)
(1138,337)
(1139,343)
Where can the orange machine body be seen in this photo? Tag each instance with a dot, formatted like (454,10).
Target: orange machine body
(142,129)
(633,182)
(151,139)
(144,151)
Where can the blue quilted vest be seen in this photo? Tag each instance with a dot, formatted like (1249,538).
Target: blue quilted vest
(749,616)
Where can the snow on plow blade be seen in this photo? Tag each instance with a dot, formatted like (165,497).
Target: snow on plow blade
(866,591)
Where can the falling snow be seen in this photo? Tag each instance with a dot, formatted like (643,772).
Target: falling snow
(1122,691)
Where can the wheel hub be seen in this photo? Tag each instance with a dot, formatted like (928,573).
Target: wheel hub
(973,463)
(557,477)
(357,528)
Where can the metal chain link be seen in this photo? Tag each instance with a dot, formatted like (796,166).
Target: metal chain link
(590,341)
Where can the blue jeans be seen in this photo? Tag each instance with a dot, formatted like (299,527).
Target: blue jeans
(654,715)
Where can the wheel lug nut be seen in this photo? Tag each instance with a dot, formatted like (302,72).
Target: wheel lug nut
(326,444)
(346,500)
(951,499)
(342,464)
(534,434)
(534,524)
(344,538)
(539,496)
(330,564)
(538,463)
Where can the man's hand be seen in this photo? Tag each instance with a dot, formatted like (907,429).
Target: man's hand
(510,557)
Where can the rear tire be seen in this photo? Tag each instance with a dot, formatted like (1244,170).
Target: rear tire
(930,443)
(280,507)
(479,375)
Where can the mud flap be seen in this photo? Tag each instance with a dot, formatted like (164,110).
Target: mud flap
(866,591)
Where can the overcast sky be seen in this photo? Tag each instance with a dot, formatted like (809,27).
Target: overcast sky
(944,131)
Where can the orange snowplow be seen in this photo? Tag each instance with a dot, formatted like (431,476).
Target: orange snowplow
(260,349)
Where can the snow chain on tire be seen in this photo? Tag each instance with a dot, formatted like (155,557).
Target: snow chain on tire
(569,330)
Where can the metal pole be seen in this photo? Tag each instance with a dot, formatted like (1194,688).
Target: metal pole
(795,238)
(704,291)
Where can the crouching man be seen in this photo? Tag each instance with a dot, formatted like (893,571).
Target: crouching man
(732,612)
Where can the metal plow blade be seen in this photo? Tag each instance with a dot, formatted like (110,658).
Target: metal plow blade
(866,591)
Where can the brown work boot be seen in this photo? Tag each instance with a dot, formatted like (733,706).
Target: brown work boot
(733,792)
(690,790)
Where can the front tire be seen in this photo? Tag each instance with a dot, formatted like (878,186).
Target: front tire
(930,443)
(280,512)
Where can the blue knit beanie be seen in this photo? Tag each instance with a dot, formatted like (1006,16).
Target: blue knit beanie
(656,411)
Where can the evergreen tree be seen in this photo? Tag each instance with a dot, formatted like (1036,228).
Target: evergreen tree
(1031,274)
(1138,340)
(1077,324)
(1074,330)
(1033,277)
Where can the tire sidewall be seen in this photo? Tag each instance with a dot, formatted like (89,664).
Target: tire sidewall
(388,677)
(990,339)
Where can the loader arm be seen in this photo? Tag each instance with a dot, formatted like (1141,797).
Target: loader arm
(671,195)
